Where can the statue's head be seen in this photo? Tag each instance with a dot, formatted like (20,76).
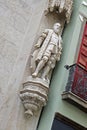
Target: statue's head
(57,28)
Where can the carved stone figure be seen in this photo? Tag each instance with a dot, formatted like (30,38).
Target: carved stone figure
(47,52)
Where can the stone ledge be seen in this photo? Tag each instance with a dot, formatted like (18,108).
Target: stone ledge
(36,80)
(75,100)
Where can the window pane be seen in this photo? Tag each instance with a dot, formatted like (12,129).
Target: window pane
(59,125)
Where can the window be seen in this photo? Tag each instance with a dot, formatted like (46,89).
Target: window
(76,87)
(62,123)
(82,57)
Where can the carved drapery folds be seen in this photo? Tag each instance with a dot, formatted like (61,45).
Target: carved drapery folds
(46,53)
(60,6)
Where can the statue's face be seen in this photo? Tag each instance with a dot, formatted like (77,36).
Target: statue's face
(57,28)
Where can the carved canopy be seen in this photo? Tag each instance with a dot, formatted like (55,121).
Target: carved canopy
(61,6)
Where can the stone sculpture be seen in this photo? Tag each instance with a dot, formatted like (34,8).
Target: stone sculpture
(43,59)
(47,52)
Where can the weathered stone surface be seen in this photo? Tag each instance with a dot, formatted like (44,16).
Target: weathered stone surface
(17,17)
(14,18)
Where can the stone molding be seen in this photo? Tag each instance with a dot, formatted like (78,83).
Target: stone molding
(34,95)
(74,99)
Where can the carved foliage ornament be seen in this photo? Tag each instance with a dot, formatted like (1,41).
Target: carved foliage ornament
(60,6)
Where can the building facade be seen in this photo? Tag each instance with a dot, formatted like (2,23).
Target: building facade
(42,100)
(72,39)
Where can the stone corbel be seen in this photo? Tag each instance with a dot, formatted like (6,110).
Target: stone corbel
(34,95)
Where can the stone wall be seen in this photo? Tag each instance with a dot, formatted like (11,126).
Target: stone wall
(19,23)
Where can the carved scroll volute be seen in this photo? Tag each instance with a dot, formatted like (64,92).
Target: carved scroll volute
(46,53)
